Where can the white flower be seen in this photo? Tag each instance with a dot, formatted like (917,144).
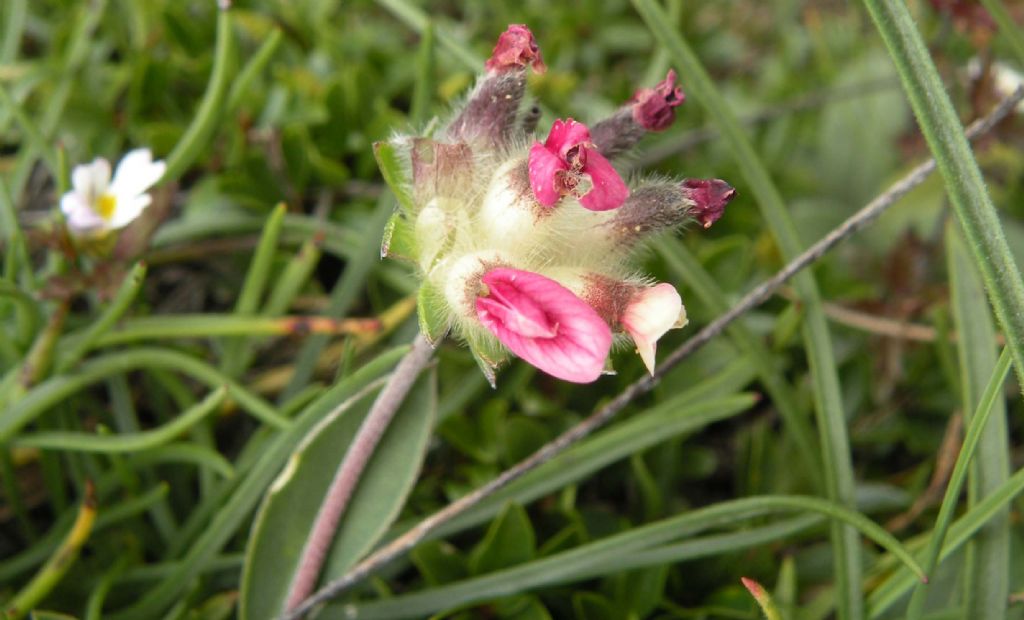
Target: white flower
(98,204)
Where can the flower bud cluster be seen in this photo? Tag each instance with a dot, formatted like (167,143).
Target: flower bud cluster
(526,245)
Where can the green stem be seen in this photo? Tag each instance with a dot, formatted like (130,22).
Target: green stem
(113,312)
(966,187)
(63,557)
(53,391)
(197,136)
(252,69)
(124,442)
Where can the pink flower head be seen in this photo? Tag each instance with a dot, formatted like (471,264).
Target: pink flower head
(544,323)
(568,163)
(709,198)
(650,313)
(654,108)
(516,48)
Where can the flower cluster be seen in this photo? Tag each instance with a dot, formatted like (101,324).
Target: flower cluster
(526,245)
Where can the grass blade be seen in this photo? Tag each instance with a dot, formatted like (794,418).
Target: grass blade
(124,442)
(964,184)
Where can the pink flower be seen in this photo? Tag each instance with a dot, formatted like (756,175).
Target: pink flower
(650,313)
(568,163)
(544,323)
(516,48)
(709,198)
(653,107)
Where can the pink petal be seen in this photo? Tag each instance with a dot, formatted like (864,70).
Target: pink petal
(566,134)
(609,191)
(544,167)
(516,48)
(652,312)
(577,341)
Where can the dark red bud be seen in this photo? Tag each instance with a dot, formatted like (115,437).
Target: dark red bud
(709,198)
(516,48)
(654,108)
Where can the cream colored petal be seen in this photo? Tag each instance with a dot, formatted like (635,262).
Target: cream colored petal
(652,312)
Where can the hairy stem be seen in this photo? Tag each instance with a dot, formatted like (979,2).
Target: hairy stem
(754,298)
(350,471)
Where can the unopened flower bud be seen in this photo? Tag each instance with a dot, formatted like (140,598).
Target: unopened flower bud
(509,211)
(516,49)
(492,110)
(709,197)
(650,109)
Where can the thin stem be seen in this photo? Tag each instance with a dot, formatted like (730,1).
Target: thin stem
(349,472)
(643,385)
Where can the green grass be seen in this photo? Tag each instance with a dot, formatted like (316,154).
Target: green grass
(173,377)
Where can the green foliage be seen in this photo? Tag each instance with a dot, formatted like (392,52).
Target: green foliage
(206,372)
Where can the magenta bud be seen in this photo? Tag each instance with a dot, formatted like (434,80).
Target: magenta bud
(516,49)
(650,109)
(709,198)
(654,108)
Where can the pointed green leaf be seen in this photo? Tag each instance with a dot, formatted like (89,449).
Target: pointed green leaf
(439,562)
(509,541)
(432,311)
(288,511)
(488,353)
(592,606)
(399,240)
(395,174)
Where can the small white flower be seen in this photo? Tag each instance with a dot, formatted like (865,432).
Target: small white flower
(98,204)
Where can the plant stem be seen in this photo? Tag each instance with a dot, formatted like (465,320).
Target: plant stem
(349,472)
(856,222)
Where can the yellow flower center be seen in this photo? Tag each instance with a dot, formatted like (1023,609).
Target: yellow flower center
(105,206)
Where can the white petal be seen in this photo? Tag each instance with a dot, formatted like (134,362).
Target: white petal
(136,173)
(91,180)
(80,216)
(128,209)
(651,313)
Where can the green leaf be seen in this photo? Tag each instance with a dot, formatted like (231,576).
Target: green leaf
(235,506)
(289,509)
(439,562)
(488,353)
(399,240)
(593,606)
(432,312)
(395,174)
(509,541)
(638,592)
